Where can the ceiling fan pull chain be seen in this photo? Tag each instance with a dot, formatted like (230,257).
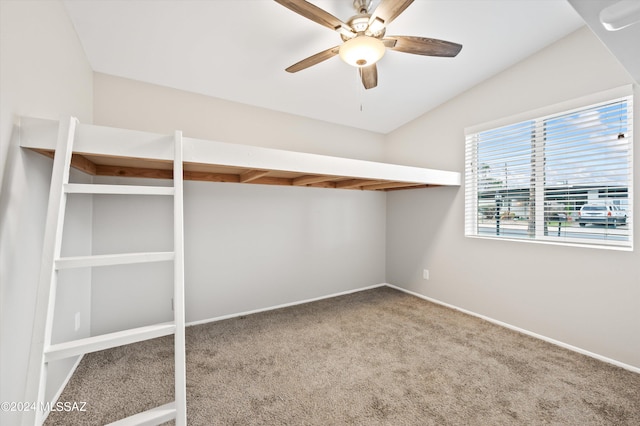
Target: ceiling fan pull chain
(361,93)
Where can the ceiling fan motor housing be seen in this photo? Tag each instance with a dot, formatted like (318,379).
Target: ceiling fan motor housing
(360,24)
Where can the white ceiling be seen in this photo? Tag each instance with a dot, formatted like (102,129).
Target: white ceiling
(238,49)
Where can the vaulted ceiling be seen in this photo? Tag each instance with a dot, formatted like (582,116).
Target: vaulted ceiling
(238,50)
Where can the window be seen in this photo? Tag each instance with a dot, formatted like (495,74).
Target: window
(564,177)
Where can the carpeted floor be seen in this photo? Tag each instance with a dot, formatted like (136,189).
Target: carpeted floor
(378,357)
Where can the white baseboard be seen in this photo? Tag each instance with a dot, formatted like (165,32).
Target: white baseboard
(523,331)
(285,305)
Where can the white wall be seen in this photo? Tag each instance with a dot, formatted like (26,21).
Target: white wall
(130,104)
(584,297)
(131,295)
(43,73)
(247,247)
(250,247)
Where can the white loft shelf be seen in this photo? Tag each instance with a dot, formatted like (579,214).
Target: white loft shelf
(115,152)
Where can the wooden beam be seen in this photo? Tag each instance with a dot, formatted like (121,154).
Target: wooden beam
(355,183)
(272,181)
(250,175)
(311,179)
(82,163)
(77,161)
(390,185)
(322,185)
(425,185)
(211,177)
(44,152)
(136,172)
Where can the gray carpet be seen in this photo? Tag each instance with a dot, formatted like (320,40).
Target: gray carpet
(378,357)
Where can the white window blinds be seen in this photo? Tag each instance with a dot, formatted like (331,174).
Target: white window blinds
(564,177)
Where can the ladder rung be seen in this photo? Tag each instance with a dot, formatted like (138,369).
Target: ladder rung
(83,188)
(112,259)
(106,341)
(154,416)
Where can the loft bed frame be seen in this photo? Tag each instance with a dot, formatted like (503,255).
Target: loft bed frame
(107,151)
(104,151)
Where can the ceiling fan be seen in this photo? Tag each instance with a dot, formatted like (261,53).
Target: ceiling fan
(363,36)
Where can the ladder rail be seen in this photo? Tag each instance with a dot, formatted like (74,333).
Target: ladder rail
(178,285)
(47,283)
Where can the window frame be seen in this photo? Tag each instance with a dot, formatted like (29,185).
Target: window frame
(538,118)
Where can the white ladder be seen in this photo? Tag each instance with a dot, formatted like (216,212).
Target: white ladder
(42,351)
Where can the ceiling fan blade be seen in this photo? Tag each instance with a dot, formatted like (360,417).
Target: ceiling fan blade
(314,13)
(424,46)
(389,42)
(369,76)
(388,10)
(315,59)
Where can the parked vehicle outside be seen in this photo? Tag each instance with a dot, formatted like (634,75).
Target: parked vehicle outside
(605,214)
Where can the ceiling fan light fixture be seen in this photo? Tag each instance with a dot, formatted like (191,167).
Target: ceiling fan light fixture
(362,51)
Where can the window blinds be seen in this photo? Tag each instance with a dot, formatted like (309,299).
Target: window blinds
(564,177)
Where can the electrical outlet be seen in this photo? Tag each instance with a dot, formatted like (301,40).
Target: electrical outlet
(425,274)
(77,321)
